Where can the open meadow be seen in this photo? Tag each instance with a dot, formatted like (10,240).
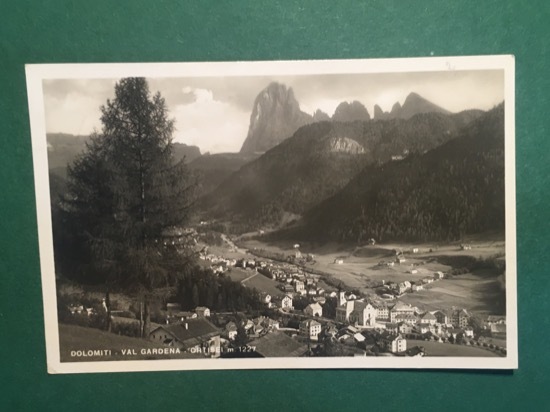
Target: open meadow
(479,292)
(252,279)
(449,349)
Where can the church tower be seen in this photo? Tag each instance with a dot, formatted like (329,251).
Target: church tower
(341,297)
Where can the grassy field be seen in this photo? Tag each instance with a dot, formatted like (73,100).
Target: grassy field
(239,274)
(448,349)
(479,292)
(264,284)
(360,264)
(77,338)
(252,279)
(495,341)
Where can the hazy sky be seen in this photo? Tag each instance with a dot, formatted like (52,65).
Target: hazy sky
(214,112)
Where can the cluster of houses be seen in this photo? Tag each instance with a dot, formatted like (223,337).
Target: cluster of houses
(361,326)
(292,282)
(195,336)
(391,289)
(367,340)
(78,309)
(367,323)
(357,341)
(400,156)
(174,314)
(179,237)
(218,264)
(399,317)
(392,321)
(299,284)
(254,328)
(496,325)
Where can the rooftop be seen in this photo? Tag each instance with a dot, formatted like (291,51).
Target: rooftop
(197,329)
(278,344)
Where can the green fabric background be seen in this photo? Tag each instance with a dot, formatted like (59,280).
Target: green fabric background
(46,31)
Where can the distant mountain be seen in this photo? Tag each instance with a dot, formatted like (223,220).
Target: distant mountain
(320,116)
(319,160)
(350,112)
(182,150)
(276,115)
(63,149)
(214,168)
(452,190)
(414,104)
(395,111)
(288,179)
(467,116)
(379,114)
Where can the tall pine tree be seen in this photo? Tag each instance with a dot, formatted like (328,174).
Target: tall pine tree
(125,191)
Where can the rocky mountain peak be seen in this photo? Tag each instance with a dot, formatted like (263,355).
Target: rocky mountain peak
(395,110)
(349,112)
(320,116)
(416,104)
(379,114)
(276,115)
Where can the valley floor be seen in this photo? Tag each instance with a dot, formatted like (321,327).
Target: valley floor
(482,291)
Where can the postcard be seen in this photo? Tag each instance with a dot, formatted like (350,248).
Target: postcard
(276,214)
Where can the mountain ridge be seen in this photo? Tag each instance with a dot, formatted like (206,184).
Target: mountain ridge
(350,112)
(320,159)
(414,104)
(454,189)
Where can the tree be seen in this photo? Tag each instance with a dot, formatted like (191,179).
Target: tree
(125,190)
(241,339)
(334,348)
(196,300)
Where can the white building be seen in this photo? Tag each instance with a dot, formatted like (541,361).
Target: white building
(310,328)
(314,309)
(356,312)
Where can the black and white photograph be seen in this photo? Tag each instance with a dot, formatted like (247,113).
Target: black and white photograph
(284,214)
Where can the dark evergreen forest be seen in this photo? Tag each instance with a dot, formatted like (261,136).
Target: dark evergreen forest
(450,191)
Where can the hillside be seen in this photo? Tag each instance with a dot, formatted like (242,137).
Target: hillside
(64,148)
(214,168)
(182,150)
(291,177)
(450,191)
(317,161)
